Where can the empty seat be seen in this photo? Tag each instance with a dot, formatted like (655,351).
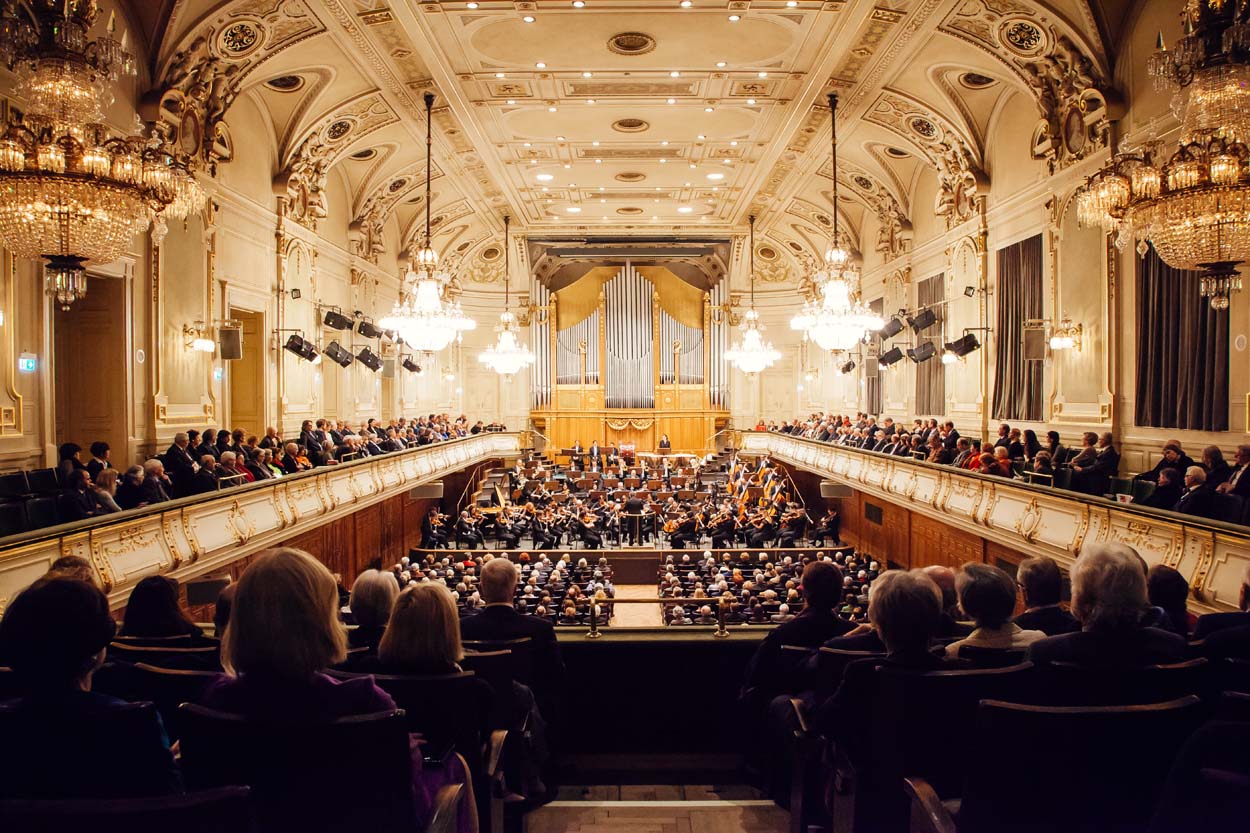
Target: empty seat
(166,688)
(354,773)
(44,481)
(41,512)
(1068,684)
(14,485)
(12,518)
(206,658)
(209,811)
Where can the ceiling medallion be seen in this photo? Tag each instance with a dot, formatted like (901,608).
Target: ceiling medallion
(766,253)
(631,43)
(630,176)
(364,155)
(629,211)
(285,83)
(397,184)
(630,125)
(897,153)
(863,182)
(338,130)
(976,81)
(922,127)
(1023,37)
(491,253)
(240,38)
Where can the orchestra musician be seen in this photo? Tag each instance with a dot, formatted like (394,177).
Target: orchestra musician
(724,528)
(829,528)
(793,526)
(685,530)
(468,533)
(665,445)
(506,534)
(433,530)
(586,529)
(763,527)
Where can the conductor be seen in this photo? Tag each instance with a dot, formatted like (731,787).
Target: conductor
(633,510)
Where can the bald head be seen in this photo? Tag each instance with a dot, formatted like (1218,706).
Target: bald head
(498,582)
(944,578)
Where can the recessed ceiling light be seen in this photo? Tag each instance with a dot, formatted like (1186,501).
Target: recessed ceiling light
(567,166)
(714,190)
(551,109)
(708,109)
(527,144)
(572,184)
(715,177)
(687,184)
(725,160)
(541,64)
(684,209)
(762,74)
(588,74)
(559,138)
(701,136)
(720,64)
(600,187)
(658,188)
(598,161)
(750,101)
(674,74)
(545,189)
(577,4)
(693,166)
(574,209)
(594,144)
(664,143)
(672,101)
(733,143)
(471,5)
(662,161)
(602,200)
(529,18)
(512,101)
(790,4)
(544,177)
(499,75)
(590,101)
(685,4)
(734,18)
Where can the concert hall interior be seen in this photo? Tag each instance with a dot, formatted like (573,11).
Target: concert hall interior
(664,416)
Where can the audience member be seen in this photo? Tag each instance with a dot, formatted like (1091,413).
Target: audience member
(1109,600)
(1042,584)
(1209,623)
(988,596)
(75,567)
(221,609)
(1217,470)
(99,461)
(104,490)
(1173,457)
(69,460)
(77,500)
(817,623)
(1167,592)
(499,621)
(423,634)
(54,635)
(1196,499)
(1167,490)
(372,598)
(153,611)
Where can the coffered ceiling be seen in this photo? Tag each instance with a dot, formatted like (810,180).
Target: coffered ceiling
(627,118)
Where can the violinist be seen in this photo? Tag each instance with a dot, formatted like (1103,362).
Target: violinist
(506,534)
(763,528)
(468,533)
(685,530)
(829,528)
(590,536)
(724,526)
(793,526)
(433,530)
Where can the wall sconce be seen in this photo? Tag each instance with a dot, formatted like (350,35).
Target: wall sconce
(1066,335)
(728,311)
(531,314)
(197,336)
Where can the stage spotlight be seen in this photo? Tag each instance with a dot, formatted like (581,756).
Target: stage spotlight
(922,353)
(369,359)
(847,368)
(411,366)
(890,357)
(368,329)
(960,347)
(892,328)
(338,354)
(924,319)
(337,320)
(301,347)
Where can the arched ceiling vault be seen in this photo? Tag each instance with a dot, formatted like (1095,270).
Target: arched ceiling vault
(624,120)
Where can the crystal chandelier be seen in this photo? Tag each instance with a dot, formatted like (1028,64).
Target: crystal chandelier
(1193,205)
(422,317)
(71,190)
(507,355)
(752,354)
(836,319)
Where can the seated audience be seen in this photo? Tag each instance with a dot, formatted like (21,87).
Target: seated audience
(988,596)
(221,609)
(1041,582)
(54,635)
(104,490)
(1218,471)
(1167,490)
(155,487)
(1173,458)
(99,461)
(1092,473)
(1167,591)
(1109,600)
(372,597)
(153,611)
(1058,451)
(1209,623)
(284,633)
(423,635)
(75,567)
(69,460)
(817,623)
(1196,499)
(129,490)
(77,500)
(1237,484)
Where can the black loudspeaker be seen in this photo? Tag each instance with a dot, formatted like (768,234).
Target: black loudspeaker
(230,343)
(204,591)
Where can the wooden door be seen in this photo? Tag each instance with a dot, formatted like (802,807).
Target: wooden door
(89,370)
(247,375)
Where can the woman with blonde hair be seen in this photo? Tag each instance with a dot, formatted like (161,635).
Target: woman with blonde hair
(423,635)
(103,490)
(284,632)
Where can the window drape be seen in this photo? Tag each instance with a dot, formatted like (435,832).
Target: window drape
(1017,381)
(931,375)
(1182,351)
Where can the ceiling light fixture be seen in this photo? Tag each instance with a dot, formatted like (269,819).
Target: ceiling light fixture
(762,73)
(721,64)
(685,4)
(471,5)
(529,18)
(836,319)
(734,18)
(708,109)
(752,354)
(684,209)
(588,74)
(672,101)
(507,355)
(578,4)
(499,75)
(544,177)
(573,209)
(541,64)
(590,101)
(674,74)
(422,317)
(716,176)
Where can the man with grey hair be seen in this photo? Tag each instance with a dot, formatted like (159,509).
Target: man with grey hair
(1212,622)
(1109,599)
(1197,499)
(180,464)
(1237,483)
(156,486)
(499,621)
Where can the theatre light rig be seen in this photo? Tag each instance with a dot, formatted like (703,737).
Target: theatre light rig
(300,346)
(958,349)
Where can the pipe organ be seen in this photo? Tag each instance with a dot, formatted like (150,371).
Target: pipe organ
(626,354)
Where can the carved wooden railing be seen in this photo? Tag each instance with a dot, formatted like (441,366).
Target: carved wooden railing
(1034,519)
(196,535)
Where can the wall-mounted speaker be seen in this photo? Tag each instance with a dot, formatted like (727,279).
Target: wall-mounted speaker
(230,343)
(429,491)
(388,368)
(829,489)
(1035,344)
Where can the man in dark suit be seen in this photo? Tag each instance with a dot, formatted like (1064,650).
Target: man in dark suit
(1173,458)
(821,585)
(499,622)
(1238,483)
(308,439)
(1197,499)
(1004,434)
(951,438)
(1042,584)
(1108,597)
(205,478)
(180,464)
(156,486)
(1212,622)
(1094,477)
(633,509)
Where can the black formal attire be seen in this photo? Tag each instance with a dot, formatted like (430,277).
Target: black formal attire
(432,537)
(792,531)
(316,451)
(590,536)
(152,490)
(684,534)
(180,467)
(809,629)
(1164,497)
(468,533)
(951,439)
(1125,648)
(94,467)
(665,445)
(77,504)
(633,509)
(1181,463)
(1240,482)
(1096,479)
(1051,620)
(1210,623)
(500,622)
(724,532)
(1231,643)
(1199,502)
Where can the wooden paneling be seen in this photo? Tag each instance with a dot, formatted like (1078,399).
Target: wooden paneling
(934,542)
(688,430)
(886,537)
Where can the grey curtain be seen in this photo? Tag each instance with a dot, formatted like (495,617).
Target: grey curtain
(1182,351)
(1017,381)
(931,375)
